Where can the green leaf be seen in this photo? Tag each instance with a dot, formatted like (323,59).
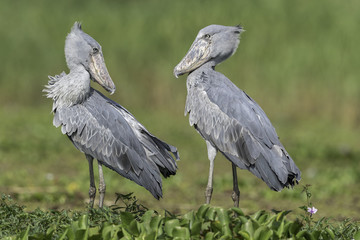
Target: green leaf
(263,233)
(129,223)
(202,210)
(226,237)
(134,228)
(205,226)
(146,218)
(127,235)
(316,234)
(248,227)
(126,218)
(70,233)
(255,224)
(258,214)
(170,225)
(181,232)
(280,229)
(209,236)
(62,237)
(243,219)
(83,222)
(305,234)
(210,214)
(150,236)
(223,216)
(108,232)
(270,220)
(295,228)
(155,223)
(263,218)
(237,227)
(300,234)
(330,233)
(25,234)
(216,226)
(79,228)
(50,230)
(184,222)
(81,234)
(279,216)
(195,228)
(286,228)
(95,233)
(189,216)
(238,211)
(244,234)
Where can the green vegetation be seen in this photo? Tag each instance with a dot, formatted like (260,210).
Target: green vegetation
(298,59)
(134,221)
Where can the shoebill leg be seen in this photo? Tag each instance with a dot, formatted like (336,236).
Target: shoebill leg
(102,186)
(236,192)
(211,155)
(92,189)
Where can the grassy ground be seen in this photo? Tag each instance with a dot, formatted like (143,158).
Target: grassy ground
(298,60)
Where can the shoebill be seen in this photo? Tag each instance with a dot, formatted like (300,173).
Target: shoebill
(101,128)
(229,120)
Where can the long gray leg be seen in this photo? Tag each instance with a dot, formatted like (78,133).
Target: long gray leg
(102,186)
(92,189)
(211,155)
(236,192)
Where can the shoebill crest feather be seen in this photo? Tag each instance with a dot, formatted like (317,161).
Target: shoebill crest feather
(101,128)
(227,118)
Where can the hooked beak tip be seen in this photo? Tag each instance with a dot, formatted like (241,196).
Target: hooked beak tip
(112,91)
(177,72)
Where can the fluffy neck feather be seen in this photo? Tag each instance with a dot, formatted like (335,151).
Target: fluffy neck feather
(70,89)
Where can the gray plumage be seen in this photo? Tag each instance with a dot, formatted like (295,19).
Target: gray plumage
(101,128)
(227,118)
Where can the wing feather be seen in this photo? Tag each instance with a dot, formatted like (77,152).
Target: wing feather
(157,151)
(103,129)
(234,123)
(97,129)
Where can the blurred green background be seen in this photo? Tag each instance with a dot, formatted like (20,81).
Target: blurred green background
(298,59)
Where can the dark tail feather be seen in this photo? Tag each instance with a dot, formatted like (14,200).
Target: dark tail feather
(149,177)
(146,179)
(160,153)
(264,171)
(170,166)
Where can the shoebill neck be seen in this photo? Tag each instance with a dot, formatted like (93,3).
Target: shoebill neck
(72,89)
(210,65)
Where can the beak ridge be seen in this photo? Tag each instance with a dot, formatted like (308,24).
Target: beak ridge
(198,54)
(100,73)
